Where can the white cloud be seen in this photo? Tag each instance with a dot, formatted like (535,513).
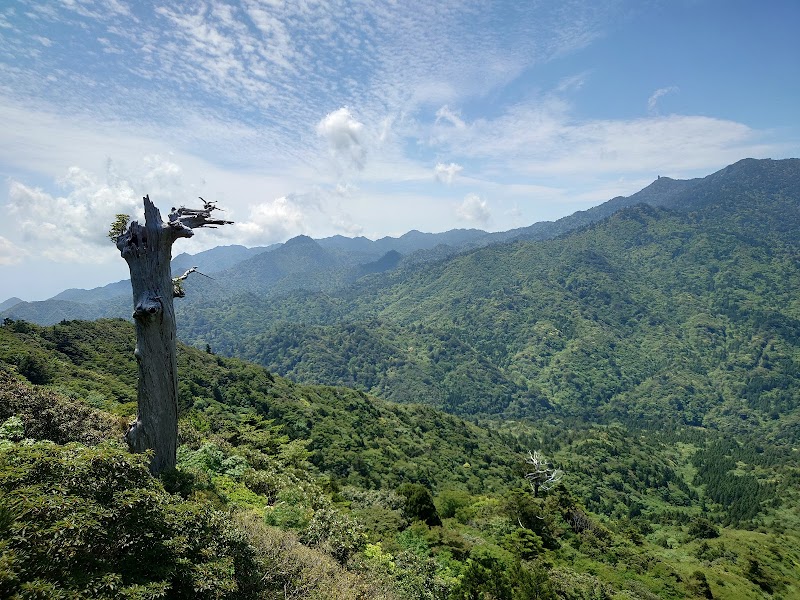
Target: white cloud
(345,190)
(652,101)
(446,173)
(162,172)
(345,136)
(474,209)
(271,222)
(445,114)
(10,254)
(72,227)
(544,139)
(572,83)
(347,227)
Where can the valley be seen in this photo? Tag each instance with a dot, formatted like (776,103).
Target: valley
(368,405)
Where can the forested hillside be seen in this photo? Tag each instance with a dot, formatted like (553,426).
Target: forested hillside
(286,490)
(651,352)
(651,317)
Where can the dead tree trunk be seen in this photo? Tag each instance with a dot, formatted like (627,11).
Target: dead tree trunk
(148,251)
(543,476)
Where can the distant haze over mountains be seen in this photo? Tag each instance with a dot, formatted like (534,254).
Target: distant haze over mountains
(335,262)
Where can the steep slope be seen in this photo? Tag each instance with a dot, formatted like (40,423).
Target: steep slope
(659,193)
(299,263)
(217,259)
(352,437)
(9,303)
(247,515)
(651,316)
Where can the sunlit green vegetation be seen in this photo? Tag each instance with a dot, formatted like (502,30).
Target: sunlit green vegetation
(330,493)
(652,357)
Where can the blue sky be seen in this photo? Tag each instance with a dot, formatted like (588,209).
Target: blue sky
(366,118)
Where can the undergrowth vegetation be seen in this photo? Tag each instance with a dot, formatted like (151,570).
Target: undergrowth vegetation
(290,491)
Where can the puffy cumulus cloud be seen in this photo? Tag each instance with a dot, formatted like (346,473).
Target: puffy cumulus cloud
(162,172)
(346,137)
(10,254)
(474,209)
(652,101)
(73,225)
(156,174)
(346,226)
(272,221)
(446,173)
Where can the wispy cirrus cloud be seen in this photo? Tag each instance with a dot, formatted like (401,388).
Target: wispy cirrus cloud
(449,116)
(326,117)
(652,101)
(544,139)
(10,253)
(279,67)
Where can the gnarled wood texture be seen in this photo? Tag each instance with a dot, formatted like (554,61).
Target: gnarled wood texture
(148,251)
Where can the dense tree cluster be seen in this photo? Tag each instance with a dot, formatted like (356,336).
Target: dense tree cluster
(309,491)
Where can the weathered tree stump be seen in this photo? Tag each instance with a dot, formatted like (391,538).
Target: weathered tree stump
(148,251)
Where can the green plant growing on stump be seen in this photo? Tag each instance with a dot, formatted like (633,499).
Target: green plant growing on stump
(118,227)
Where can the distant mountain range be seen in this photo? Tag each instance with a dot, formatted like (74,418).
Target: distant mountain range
(335,262)
(682,311)
(300,263)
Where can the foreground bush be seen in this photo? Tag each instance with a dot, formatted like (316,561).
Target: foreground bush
(79,522)
(47,415)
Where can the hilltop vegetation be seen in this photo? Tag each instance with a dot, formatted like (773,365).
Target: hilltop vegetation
(652,317)
(325,492)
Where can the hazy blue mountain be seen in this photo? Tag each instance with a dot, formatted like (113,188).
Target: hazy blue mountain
(301,262)
(658,193)
(112,290)
(387,262)
(405,244)
(6,304)
(216,259)
(49,312)
(114,299)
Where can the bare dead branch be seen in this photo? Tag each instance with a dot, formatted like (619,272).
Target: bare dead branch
(177,285)
(543,476)
(193,218)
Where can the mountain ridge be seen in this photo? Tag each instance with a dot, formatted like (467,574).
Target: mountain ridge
(596,316)
(345,263)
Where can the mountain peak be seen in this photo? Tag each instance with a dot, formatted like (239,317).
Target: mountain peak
(300,240)
(10,303)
